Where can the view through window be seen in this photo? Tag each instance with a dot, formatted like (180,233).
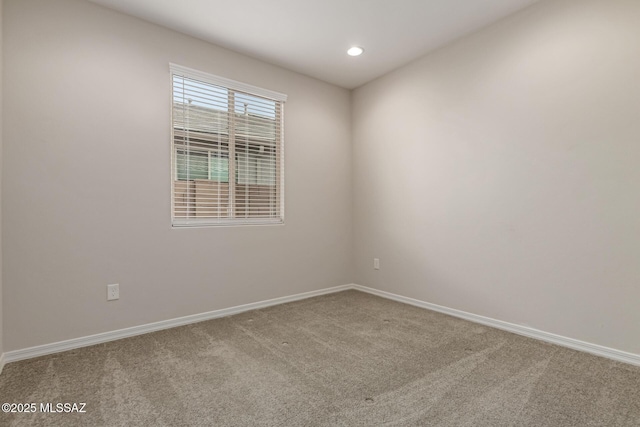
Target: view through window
(227,151)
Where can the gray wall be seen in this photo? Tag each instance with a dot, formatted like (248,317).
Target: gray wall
(500,175)
(1,132)
(87,150)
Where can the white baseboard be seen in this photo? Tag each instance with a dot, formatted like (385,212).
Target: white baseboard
(42,350)
(57,347)
(598,350)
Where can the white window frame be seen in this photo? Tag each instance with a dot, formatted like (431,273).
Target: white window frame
(178,70)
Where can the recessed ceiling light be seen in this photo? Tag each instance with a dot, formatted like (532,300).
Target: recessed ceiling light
(355,51)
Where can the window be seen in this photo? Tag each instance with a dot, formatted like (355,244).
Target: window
(227,151)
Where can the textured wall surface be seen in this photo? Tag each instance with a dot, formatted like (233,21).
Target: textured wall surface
(499,175)
(87,147)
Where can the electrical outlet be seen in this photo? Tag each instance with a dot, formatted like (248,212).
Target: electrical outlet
(113,292)
(376,263)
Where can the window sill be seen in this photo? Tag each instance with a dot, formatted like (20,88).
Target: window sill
(202,223)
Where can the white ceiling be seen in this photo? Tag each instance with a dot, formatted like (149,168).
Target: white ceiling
(312,36)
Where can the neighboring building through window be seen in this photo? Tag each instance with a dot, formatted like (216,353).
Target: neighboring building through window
(227,151)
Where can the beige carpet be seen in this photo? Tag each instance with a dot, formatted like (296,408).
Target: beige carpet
(346,359)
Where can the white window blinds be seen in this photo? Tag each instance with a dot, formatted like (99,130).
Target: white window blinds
(227,151)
